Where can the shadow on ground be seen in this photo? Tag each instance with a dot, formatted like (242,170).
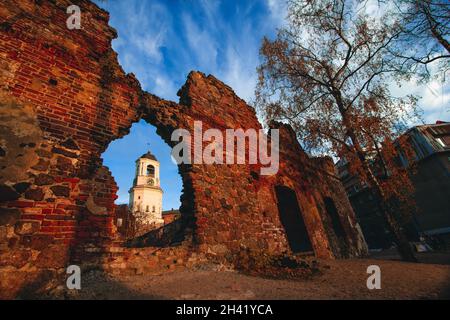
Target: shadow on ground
(96,285)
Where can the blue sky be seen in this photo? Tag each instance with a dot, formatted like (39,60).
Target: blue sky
(161,41)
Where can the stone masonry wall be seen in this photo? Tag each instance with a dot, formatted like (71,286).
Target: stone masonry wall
(64,98)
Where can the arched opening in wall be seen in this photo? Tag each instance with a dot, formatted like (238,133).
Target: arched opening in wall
(292,220)
(149,187)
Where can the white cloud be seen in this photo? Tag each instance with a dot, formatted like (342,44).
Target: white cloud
(239,72)
(278,10)
(151,45)
(147,27)
(201,42)
(434,98)
(164,87)
(229,55)
(210,8)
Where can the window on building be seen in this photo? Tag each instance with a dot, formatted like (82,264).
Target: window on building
(150,170)
(440,142)
(153,209)
(146,209)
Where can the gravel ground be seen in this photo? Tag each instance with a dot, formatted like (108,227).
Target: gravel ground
(342,279)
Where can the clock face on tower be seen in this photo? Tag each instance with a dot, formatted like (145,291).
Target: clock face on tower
(150,182)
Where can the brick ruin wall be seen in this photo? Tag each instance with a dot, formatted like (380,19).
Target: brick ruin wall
(64,98)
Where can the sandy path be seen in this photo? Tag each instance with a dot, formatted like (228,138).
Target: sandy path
(344,279)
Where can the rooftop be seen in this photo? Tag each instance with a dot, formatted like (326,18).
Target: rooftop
(148,155)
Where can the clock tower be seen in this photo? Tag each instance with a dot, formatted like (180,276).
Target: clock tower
(146,193)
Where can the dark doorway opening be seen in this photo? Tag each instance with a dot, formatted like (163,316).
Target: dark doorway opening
(292,220)
(336,223)
(334,215)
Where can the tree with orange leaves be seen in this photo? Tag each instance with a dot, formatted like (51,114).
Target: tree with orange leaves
(325,74)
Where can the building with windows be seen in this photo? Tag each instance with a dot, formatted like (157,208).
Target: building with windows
(431,145)
(146,193)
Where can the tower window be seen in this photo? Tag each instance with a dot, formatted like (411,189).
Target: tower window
(146,209)
(153,209)
(150,170)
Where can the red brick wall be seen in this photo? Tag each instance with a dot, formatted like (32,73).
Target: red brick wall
(74,90)
(65,98)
